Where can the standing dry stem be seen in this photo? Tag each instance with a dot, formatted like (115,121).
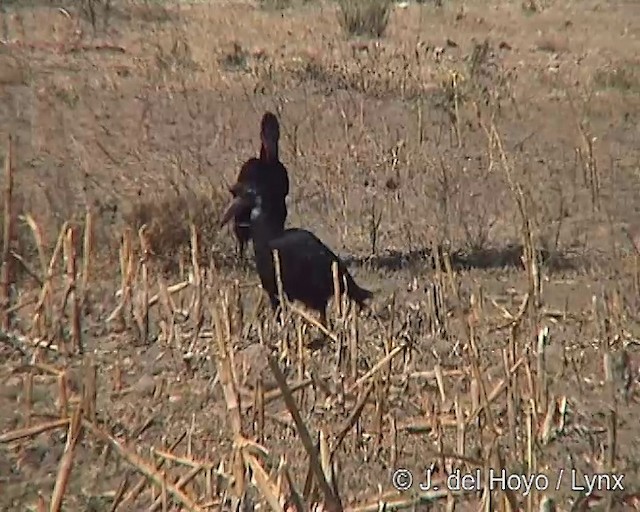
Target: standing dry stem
(66,462)
(87,247)
(332,501)
(142,316)
(69,250)
(7,237)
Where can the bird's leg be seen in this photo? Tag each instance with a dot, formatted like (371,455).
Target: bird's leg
(240,249)
(320,338)
(277,311)
(323,319)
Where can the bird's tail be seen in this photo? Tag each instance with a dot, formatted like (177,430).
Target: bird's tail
(356,293)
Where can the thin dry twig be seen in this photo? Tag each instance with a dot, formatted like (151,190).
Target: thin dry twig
(7,237)
(333,502)
(66,462)
(144,467)
(33,430)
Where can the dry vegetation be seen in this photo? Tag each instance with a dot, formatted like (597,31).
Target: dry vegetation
(476,163)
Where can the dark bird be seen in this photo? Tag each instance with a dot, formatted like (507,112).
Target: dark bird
(305,262)
(268,175)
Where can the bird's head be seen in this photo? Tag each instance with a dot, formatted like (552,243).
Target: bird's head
(269,135)
(245,196)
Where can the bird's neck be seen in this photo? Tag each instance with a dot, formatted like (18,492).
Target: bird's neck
(268,154)
(263,230)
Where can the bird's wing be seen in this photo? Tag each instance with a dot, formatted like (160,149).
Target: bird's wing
(248,171)
(302,244)
(285,179)
(302,257)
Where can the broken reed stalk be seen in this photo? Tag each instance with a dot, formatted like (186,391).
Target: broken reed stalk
(237,310)
(542,395)
(314,322)
(378,366)
(66,462)
(263,482)
(276,394)
(353,417)
(530,437)
(327,462)
(143,313)
(511,403)
(190,432)
(87,248)
(294,495)
(530,259)
(69,252)
(195,311)
(63,395)
(39,241)
(456,108)
(353,346)
(230,390)
(126,275)
(278,271)
(143,467)
(137,489)
(161,501)
(89,388)
(336,288)
(393,436)
(450,274)
(332,500)
(7,237)
(529,253)
(499,388)
(461,429)
(391,500)
(182,460)
(43,312)
(300,360)
(32,431)
(508,501)
(28,396)
(167,305)
(589,165)
(258,411)
(119,495)
(610,389)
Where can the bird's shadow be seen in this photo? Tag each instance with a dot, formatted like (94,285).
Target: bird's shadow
(486,258)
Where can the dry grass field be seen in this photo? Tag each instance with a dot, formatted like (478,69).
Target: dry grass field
(476,164)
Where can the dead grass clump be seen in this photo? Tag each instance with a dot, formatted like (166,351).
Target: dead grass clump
(276,5)
(480,82)
(364,17)
(176,57)
(13,70)
(235,59)
(623,78)
(146,11)
(23,246)
(552,44)
(168,218)
(96,12)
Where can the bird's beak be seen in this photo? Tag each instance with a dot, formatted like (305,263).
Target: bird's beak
(236,189)
(234,207)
